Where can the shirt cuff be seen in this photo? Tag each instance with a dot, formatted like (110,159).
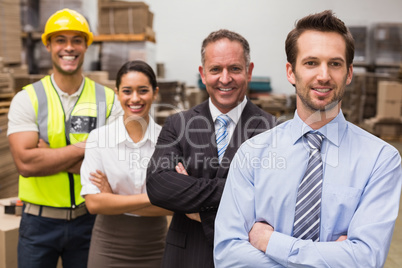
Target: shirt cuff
(279,247)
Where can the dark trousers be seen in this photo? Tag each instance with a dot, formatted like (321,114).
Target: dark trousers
(43,240)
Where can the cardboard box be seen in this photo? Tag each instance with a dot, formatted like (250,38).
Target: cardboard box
(9,232)
(115,54)
(171,95)
(6,83)
(97,76)
(388,130)
(385,128)
(9,225)
(101,77)
(22,80)
(10,28)
(119,17)
(389,100)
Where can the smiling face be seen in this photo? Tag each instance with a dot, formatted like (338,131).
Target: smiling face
(67,49)
(136,95)
(321,73)
(225,73)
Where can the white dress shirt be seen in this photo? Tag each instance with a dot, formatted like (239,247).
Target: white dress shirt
(361,190)
(111,150)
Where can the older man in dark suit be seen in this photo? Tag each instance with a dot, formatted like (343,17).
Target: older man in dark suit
(189,167)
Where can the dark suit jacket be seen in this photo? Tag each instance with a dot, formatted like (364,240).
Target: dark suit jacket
(189,137)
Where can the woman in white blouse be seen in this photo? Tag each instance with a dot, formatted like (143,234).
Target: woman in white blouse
(128,231)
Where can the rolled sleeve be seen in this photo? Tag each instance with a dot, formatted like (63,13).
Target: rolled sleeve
(21,116)
(89,189)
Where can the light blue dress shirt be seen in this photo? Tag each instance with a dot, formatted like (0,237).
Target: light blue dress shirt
(360,198)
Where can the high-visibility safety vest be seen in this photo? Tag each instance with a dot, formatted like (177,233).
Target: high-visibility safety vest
(93,107)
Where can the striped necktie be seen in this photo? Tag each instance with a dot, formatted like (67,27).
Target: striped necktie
(308,205)
(222,141)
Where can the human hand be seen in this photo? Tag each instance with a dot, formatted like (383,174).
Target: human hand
(43,144)
(341,238)
(194,216)
(180,169)
(260,234)
(80,144)
(75,169)
(100,180)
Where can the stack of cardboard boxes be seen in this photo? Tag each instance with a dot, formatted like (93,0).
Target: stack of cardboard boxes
(115,53)
(6,92)
(389,100)
(101,77)
(10,29)
(6,83)
(10,49)
(171,95)
(10,62)
(120,17)
(387,123)
(9,225)
(360,99)
(275,104)
(354,99)
(194,96)
(126,32)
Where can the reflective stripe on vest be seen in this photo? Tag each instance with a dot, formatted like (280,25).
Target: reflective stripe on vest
(90,111)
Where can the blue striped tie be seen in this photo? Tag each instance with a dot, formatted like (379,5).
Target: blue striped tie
(222,141)
(308,205)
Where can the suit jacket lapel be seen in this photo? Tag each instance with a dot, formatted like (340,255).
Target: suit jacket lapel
(205,122)
(241,134)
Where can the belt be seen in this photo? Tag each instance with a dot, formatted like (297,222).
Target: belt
(56,213)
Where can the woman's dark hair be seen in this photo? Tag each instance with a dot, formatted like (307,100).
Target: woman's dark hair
(137,66)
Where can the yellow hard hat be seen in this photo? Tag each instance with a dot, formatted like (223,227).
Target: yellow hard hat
(67,20)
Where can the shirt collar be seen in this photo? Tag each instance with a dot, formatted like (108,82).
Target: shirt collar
(151,133)
(234,114)
(62,93)
(333,131)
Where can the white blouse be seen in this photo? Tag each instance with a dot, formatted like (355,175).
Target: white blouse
(111,150)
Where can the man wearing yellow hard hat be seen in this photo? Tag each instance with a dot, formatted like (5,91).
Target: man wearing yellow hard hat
(49,122)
